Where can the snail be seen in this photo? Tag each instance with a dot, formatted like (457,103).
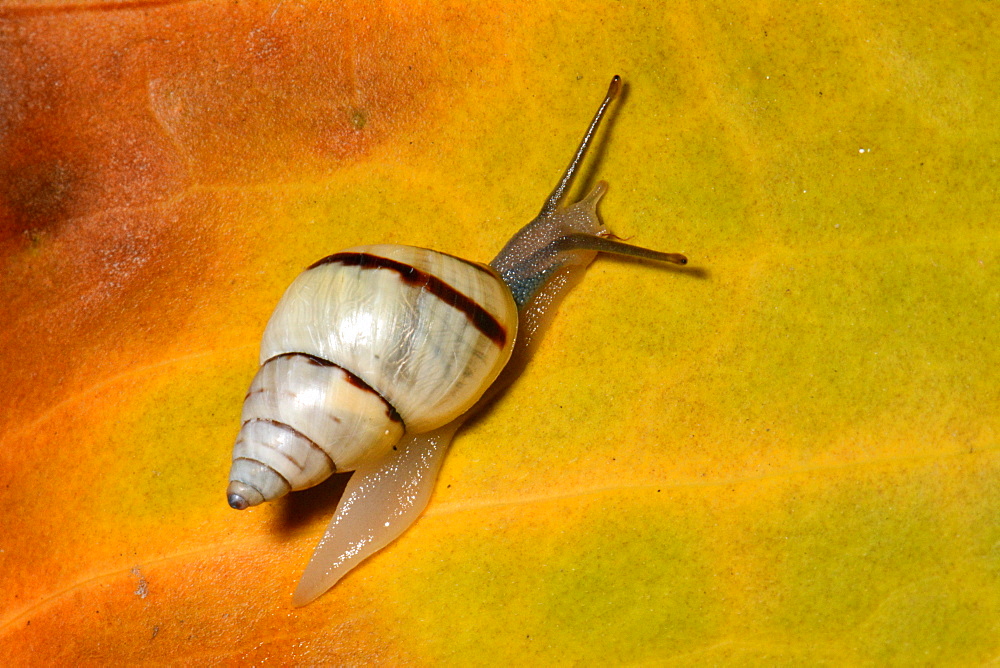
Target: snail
(375,355)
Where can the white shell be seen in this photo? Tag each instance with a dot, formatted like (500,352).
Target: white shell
(363,345)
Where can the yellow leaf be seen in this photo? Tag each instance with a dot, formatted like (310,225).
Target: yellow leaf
(786,454)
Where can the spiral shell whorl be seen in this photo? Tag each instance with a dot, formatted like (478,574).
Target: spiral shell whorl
(364,345)
(304,419)
(428,331)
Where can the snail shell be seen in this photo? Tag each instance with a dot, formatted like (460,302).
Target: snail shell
(364,345)
(375,356)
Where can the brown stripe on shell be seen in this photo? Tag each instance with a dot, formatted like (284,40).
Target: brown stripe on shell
(253,392)
(267,466)
(284,425)
(480,318)
(353,379)
(284,454)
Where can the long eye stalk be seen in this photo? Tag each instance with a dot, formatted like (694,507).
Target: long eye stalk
(567,179)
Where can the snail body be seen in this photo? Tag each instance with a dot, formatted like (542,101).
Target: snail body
(375,355)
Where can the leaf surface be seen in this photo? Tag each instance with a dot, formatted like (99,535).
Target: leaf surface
(786,454)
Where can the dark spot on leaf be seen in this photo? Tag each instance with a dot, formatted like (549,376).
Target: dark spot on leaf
(359,119)
(35,195)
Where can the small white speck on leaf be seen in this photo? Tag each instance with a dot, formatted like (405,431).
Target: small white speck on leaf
(142,589)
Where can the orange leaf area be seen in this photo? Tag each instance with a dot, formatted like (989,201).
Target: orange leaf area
(785,453)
